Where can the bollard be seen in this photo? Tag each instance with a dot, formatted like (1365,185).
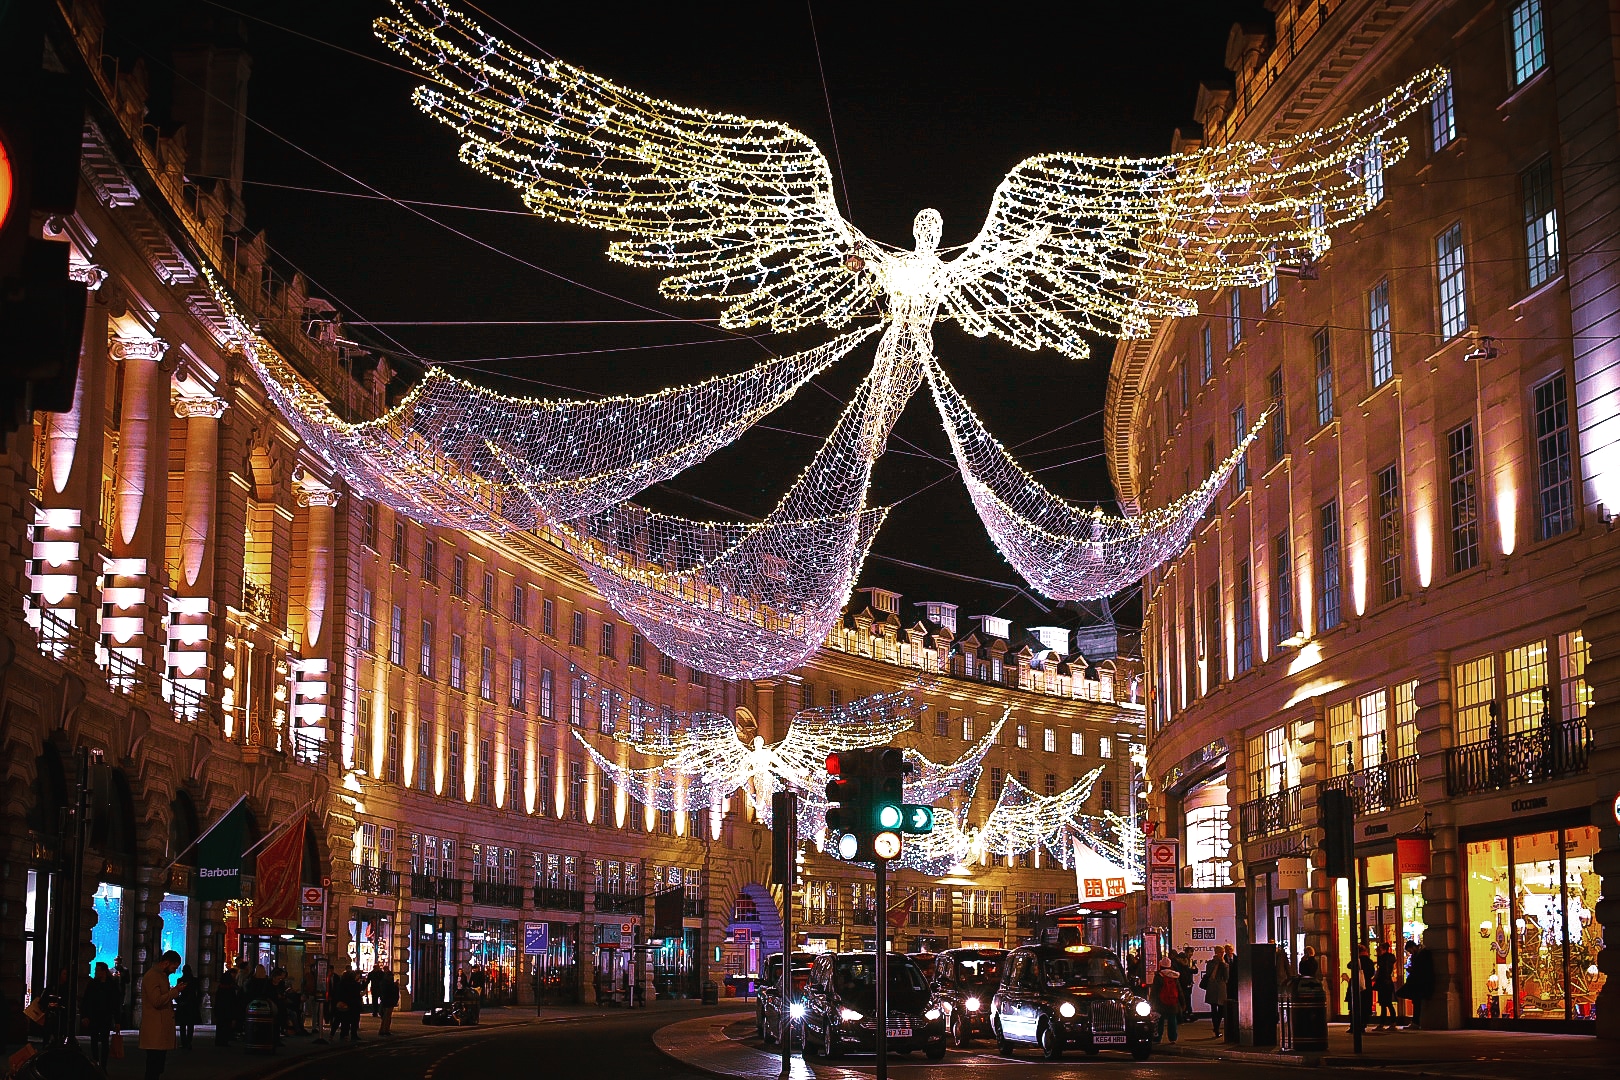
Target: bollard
(261,1026)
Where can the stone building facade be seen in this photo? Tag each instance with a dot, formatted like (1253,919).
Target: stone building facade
(197,612)
(1408,590)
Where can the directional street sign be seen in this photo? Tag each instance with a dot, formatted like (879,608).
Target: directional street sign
(536,938)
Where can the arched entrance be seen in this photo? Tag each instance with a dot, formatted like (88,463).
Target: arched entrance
(44,820)
(112,841)
(753,932)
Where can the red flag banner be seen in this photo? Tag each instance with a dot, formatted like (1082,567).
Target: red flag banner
(900,914)
(280,873)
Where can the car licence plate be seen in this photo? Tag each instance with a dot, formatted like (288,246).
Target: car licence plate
(899,1031)
(1108,1040)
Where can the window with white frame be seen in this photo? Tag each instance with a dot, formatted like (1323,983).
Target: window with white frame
(1525,679)
(1463,490)
(1329,599)
(1322,349)
(967,729)
(1234,314)
(396,636)
(1540,223)
(1208,354)
(1077,743)
(1380,338)
(1240,428)
(547,688)
(1023,736)
(1574,692)
(1528,41)
(1442,119)
(1452,279)
(1554,475)
(1473,687)
(1406,719)
(1390,524)
(1049,741)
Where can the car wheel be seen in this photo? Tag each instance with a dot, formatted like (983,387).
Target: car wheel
(1051,1045)
(936,1050)
(1141,1050)
(959,1031)
(829,1042)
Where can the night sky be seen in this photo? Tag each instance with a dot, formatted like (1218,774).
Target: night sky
(929,109)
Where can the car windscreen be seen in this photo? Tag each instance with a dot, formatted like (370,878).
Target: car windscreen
(1095,969)
(979,971)
(858,975)
(801,979)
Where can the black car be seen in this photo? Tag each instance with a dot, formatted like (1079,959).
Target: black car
(1072,995)
(842,998)
(964,982)
(768,1000)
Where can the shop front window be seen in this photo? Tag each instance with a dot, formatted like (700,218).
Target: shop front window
(1207,823)
(174,911)
(109,904)
(1534,941)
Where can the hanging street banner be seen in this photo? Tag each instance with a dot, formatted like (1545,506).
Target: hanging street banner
(219,855)
(278,876)
(1098,878)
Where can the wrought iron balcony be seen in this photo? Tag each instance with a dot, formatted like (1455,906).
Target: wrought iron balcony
(1270,814)
(375,880)
(430,887)
(1378,788)
(864,917)
(497,894)
(621,903)
(559,899)
(931,918)
(1555,749)
(983,920)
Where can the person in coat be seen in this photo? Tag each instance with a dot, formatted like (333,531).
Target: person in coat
(227,1001)
(385,992)
(1167,996)
(1384,987)
(1216,974)
(187,1005)
(1359,991)
(1419,980)
(157,1013)
(101,1004)
(1309,966)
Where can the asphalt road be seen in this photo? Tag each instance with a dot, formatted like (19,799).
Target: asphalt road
(621,1046)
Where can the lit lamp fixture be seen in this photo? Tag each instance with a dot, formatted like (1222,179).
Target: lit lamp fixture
(1484,349)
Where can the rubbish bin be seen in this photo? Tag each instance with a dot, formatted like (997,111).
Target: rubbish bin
(711,994)
(1304,1017)
(261,1026)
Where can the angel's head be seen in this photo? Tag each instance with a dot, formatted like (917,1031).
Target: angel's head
(926,229)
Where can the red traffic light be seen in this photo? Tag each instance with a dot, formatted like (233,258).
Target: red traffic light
(832,764)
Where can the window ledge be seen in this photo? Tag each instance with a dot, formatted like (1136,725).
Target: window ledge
(1524,88)
(1391,385)
(1553,284)
(1281,463)
(1332,425)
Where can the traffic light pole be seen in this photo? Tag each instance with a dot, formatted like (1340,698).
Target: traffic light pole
(790,802)
(882,868)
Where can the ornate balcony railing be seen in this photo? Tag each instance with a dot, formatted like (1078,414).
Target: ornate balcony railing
(497,894)
(864,917)
(1555,749)
(932,918)
(1378,788)
(983,920)
(430,887)
(559,899)
(1270,814)
(621,903)
(375,880)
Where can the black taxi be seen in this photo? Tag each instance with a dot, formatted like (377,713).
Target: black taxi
(1058,996)
(964,982)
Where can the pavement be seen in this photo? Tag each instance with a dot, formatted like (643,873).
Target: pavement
(721,1046)
(209,1061)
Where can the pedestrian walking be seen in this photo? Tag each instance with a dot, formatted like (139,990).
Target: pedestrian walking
(1186,969)
(347,1005)
(101,1002)
(121,986)
(1384,987)
(1358,992)
(187,1005)
(1216,974)
(1419,980)
(227,1000)
(1167,994)
(385,992)
(157,1013)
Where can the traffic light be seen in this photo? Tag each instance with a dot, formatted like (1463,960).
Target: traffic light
(41,308)
(888,799)
(1338,820)
(847,799)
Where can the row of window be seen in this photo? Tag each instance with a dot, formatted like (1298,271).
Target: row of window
(1555,505)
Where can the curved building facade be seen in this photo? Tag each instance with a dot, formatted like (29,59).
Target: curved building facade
(1408,590)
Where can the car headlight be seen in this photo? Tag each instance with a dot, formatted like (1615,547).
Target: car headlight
(849,1015)
(1143,1009)
(972,1004)
(933,1014)
(1066,1009)
(796,1010)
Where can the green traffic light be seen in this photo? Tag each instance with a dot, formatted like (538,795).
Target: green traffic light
(888,816)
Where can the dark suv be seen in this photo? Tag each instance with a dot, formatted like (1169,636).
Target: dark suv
(768,1000)
(842,998)
(964,982)
(1072,995)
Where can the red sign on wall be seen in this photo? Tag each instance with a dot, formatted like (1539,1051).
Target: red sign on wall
(1411,857)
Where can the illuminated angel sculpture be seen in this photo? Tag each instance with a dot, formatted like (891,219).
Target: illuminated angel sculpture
(742,212)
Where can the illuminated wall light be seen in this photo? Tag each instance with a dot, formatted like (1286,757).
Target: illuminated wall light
(621,808)
(1423,544)
(1307,609)
(59,517)
(1358,576)
(188,663)
(531,781)
(469,762)
(439,766)
(561,786)
(1507,509)
(56,552)
(1262,623)
(54,588)
(591,781)
(408,749)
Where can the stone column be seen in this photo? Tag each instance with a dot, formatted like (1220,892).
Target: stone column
(1442,889)
(201,412)
(139,464)
(1316,906)
(312,682)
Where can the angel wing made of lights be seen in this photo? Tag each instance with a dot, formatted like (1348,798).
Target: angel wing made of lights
(742,212)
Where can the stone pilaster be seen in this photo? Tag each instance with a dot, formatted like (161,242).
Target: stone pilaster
(1600,587)
(1442,889)
(1316,905)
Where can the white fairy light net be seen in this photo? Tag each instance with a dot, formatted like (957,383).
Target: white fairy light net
(1067,552)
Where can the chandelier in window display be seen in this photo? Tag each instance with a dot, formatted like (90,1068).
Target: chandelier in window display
(742,212)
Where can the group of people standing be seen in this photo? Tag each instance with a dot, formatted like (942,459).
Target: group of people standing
(1378,983)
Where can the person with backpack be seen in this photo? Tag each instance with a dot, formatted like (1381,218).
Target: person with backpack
(1167,995)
